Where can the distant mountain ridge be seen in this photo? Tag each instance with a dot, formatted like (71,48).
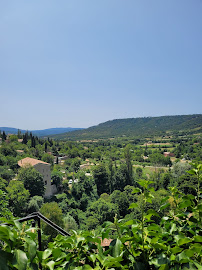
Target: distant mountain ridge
(143,126)
(40,133)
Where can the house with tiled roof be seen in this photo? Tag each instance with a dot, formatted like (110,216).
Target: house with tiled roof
(42,167)
(168,154)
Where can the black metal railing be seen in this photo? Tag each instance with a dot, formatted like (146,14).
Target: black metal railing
(37,217)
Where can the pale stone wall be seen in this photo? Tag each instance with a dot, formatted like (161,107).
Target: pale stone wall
(45,170)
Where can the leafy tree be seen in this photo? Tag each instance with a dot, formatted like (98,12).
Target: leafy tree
(180,168)
(127,156)
(56,178)
(128,191)
(35,204)
(18,197)
(3,184)
(139,172)
(92,222)
(65,185)
(102,210)
(101,179)
(120,199)
(33,180)
(120,178)
(159,159)
(12,162)
(88,186)
(3,160)
(106,197)
(13,138)
(54,213)
(69,223)
(75,165)
(4,204)
(166,180)
(6,173)
(48,158)
(73,153)
(8,150)
(187,184)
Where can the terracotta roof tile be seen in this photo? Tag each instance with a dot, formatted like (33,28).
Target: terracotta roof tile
(105,242)
(30,161)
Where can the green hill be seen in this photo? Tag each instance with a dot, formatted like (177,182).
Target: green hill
(144,126)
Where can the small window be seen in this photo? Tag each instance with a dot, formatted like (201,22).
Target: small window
(45,182)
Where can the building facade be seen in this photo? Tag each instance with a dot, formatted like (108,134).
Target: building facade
(43,168)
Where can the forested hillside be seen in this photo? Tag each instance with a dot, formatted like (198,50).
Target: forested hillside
(145,126)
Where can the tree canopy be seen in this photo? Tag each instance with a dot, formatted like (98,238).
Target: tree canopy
(33,180)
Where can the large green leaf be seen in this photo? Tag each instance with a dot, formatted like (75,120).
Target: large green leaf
(4,233)
(185,203)
(32,248)
(92,257)
(58,254)
(198,238)
(165,205)
(154,227)
(133,205)
(136,190)
(182,257)
(196,247)
(176,249)
(181,240)
(116,243)
(51,265)
(46,253)
(21,259)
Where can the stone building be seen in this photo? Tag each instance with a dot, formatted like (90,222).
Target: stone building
(43,168)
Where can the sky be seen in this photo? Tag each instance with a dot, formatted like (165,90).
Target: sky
(76,63)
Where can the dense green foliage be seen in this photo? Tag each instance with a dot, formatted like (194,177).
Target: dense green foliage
(33,181)
(95,181)
(172,243)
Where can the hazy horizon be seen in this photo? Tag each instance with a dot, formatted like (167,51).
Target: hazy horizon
(81,63)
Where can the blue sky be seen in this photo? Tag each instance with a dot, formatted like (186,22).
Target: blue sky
(79,63)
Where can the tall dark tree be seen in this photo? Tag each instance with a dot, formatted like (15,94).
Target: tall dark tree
(45,147)
(25,138)
(100,176)
(3,136)
(127,155)
(120,178)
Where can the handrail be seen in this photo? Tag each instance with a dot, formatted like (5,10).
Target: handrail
(37,216)
(46,220)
